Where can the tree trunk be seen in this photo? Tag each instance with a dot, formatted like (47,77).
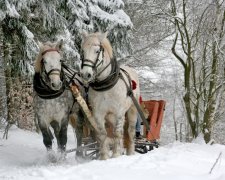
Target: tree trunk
(209,115)
(2,90)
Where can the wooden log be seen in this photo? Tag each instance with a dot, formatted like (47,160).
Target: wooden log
(76,93)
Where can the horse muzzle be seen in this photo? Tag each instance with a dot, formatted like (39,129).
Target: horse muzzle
(86,76)
(56,85)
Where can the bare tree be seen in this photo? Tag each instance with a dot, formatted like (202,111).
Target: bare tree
(197,45)
(197,30)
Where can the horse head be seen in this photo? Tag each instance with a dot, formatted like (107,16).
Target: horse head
(48,64)
(96,52)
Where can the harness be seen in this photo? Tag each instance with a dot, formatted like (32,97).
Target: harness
(112,79)
(98,62)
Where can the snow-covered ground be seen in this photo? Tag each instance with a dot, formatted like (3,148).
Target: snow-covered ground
(23,156)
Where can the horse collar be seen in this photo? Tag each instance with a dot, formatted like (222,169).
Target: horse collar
(110,81)
(43,90)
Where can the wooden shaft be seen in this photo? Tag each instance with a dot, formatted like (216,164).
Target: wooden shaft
(83,105)
(140,112)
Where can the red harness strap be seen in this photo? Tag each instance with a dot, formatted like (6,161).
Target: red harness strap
(140,99)
(49,50)
(134,84)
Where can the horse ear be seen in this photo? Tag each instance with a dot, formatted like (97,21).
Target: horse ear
(84,34)
(40,45)
(59,45)
(103,36)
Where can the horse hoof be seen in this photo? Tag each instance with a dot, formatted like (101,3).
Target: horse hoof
(129,153)
(52,157)
(115,155)
(104,157)
(61,156)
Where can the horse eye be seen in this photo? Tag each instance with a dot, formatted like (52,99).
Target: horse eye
(97,51)
(44,61)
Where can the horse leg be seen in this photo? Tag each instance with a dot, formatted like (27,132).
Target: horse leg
(47,140)
(118,136)
(79,131)
(47,135)
(63,135)
(102,137)
(132,119)
(56,128)
(104,146)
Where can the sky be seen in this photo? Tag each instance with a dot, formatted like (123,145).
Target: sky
(23,156)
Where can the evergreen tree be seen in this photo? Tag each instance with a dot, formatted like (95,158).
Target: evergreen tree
(25,21)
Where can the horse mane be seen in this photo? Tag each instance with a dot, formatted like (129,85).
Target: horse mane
(105,43)
(45,46)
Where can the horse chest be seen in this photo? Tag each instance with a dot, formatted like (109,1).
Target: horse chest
(53,109)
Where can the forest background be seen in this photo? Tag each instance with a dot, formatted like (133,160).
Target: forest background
(176,46)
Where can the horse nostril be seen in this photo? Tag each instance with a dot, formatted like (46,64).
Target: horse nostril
(88,75)
(53,85)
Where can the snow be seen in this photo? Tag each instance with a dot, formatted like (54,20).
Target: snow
(11,10)
(119,17)
(110,4)
(23,156)
(27,33)
(147,73)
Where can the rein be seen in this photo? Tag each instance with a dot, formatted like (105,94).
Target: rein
(131,94)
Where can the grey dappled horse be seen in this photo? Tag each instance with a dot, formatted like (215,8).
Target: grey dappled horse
(54,103)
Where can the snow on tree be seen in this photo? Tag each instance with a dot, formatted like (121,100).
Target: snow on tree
(23,22)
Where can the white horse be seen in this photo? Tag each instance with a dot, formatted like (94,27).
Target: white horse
(108,93)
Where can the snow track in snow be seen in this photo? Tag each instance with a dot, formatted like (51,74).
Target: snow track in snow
(23,157)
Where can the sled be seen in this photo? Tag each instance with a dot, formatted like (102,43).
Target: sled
(150,138)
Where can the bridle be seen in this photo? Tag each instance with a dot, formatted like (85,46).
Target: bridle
(108,82)
(54,71)
(95,64)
